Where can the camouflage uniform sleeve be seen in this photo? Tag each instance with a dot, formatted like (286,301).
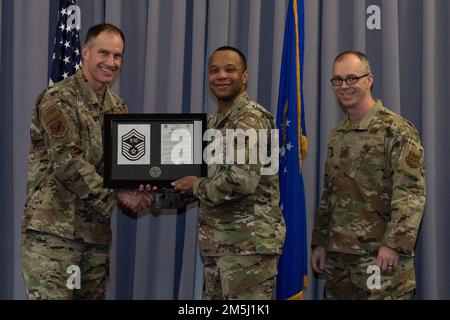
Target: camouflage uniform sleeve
(408,194)
(321,227)
(233,181)
(67,156)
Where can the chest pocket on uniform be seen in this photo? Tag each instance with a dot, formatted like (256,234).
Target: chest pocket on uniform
(91,135)
(366,158)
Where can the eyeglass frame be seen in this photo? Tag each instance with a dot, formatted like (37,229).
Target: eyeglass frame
(345,80)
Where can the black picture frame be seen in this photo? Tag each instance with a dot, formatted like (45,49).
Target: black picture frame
(133,134)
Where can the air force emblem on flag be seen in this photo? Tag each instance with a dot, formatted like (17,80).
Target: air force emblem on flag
(133,145)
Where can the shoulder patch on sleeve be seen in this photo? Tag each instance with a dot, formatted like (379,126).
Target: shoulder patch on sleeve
(412,159)
(51,114)
(54,120)
(58,129)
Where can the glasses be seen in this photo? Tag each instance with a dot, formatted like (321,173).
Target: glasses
(349,80)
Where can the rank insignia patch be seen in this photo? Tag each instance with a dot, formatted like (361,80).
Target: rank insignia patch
(133,145)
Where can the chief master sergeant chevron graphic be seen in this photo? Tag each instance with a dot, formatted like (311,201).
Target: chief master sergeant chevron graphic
(133,145)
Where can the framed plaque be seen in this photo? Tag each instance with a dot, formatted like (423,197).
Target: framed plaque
(153,149)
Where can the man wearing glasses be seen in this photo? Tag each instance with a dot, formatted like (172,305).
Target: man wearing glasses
(374,194)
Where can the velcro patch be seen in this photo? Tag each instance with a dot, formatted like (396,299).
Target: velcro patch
(413,159)
(51,114)
(58,128)
(54,120)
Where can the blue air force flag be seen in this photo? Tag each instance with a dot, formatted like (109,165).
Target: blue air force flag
(292,269)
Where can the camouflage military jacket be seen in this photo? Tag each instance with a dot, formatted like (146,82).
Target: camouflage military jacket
(65,195)
(374,186)
(239,207)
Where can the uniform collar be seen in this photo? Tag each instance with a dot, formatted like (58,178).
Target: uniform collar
(89,94)
(238,103)
(364,123)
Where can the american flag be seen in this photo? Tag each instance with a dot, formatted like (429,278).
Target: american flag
(66,59)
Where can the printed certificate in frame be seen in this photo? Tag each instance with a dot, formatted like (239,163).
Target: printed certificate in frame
(153,149)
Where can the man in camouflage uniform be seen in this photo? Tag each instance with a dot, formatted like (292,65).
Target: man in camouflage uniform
(241,228)
(374,194)
(67,212)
